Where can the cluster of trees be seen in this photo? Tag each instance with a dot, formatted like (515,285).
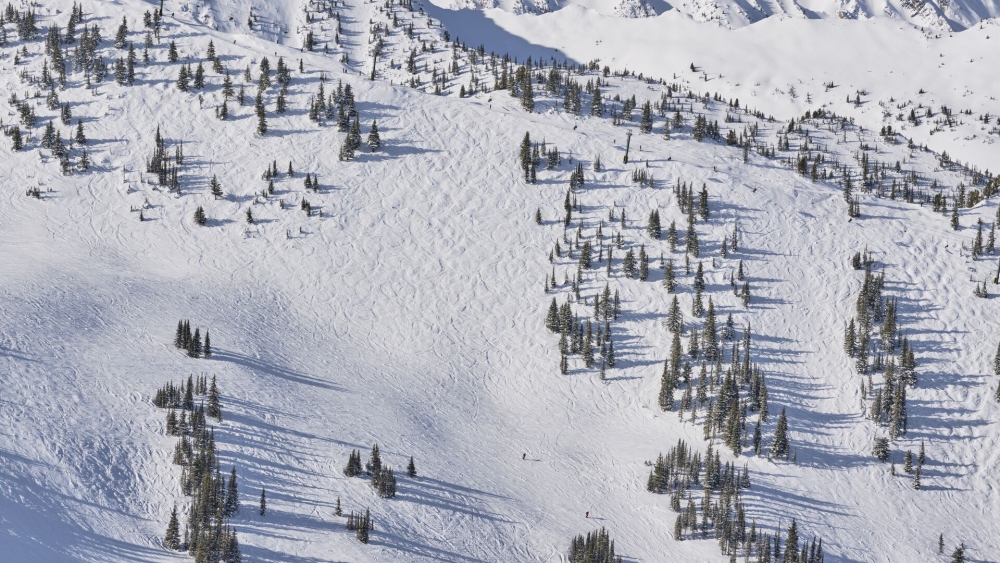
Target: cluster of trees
(872,355)
(207,535)
(184,339)
(182,396)
(722,512)
(361,525)
(595,547)
(682,468)
(383,479)
(163,165)
(912,463)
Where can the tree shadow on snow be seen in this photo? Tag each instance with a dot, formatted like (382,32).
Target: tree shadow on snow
(260,366)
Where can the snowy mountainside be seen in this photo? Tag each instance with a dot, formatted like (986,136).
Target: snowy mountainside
(944,16)
(407,306)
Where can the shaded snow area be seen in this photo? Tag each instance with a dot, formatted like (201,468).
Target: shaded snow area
(402,299)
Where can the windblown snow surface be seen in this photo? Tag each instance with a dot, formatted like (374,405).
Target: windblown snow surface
(410,313)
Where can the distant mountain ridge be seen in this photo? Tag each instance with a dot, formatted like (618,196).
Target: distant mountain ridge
(932,15)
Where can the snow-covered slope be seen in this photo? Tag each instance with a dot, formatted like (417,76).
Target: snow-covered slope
(932,15)
(408,310)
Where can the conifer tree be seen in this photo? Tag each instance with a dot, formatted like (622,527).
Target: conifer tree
(16,141)
(958,556)
(263,501)
(232,502)
(779,448)
(194,350)
(214,408)
(215,187)
(596,107)
(527,95)
(337,510)
(374,142)
(792,541)
(172,539)
(261,123)
(199,216)
(199,77)
(183,79)
(411,469)
(207,349)
(249,216)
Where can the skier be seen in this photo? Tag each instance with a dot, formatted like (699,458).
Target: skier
(523,456)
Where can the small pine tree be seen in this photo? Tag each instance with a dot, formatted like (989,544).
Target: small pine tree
(263,501)
(958,556)
(411,469)
(172,539)
(216,187)
(779,448)
(337,510)
(207,349)
(232,503)
(792,543)
(214,408)
(374,142)
(261,124)
(249,216)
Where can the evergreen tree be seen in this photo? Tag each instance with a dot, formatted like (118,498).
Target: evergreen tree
(183,79)
(216,187)
(779,448)
(214,408)
(261,123)
(172,52)
(199,77)
(596,107)
(527,95)
(958,556)
(249,216)
(232,503)
(374,461)
(881,449)
(207,349)
(263,501)
(172,539)
(411,469)
(373,139)
(194,349)
(199,216)
(791,541)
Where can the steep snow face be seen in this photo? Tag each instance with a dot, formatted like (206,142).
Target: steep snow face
(407,308)
(935,15)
